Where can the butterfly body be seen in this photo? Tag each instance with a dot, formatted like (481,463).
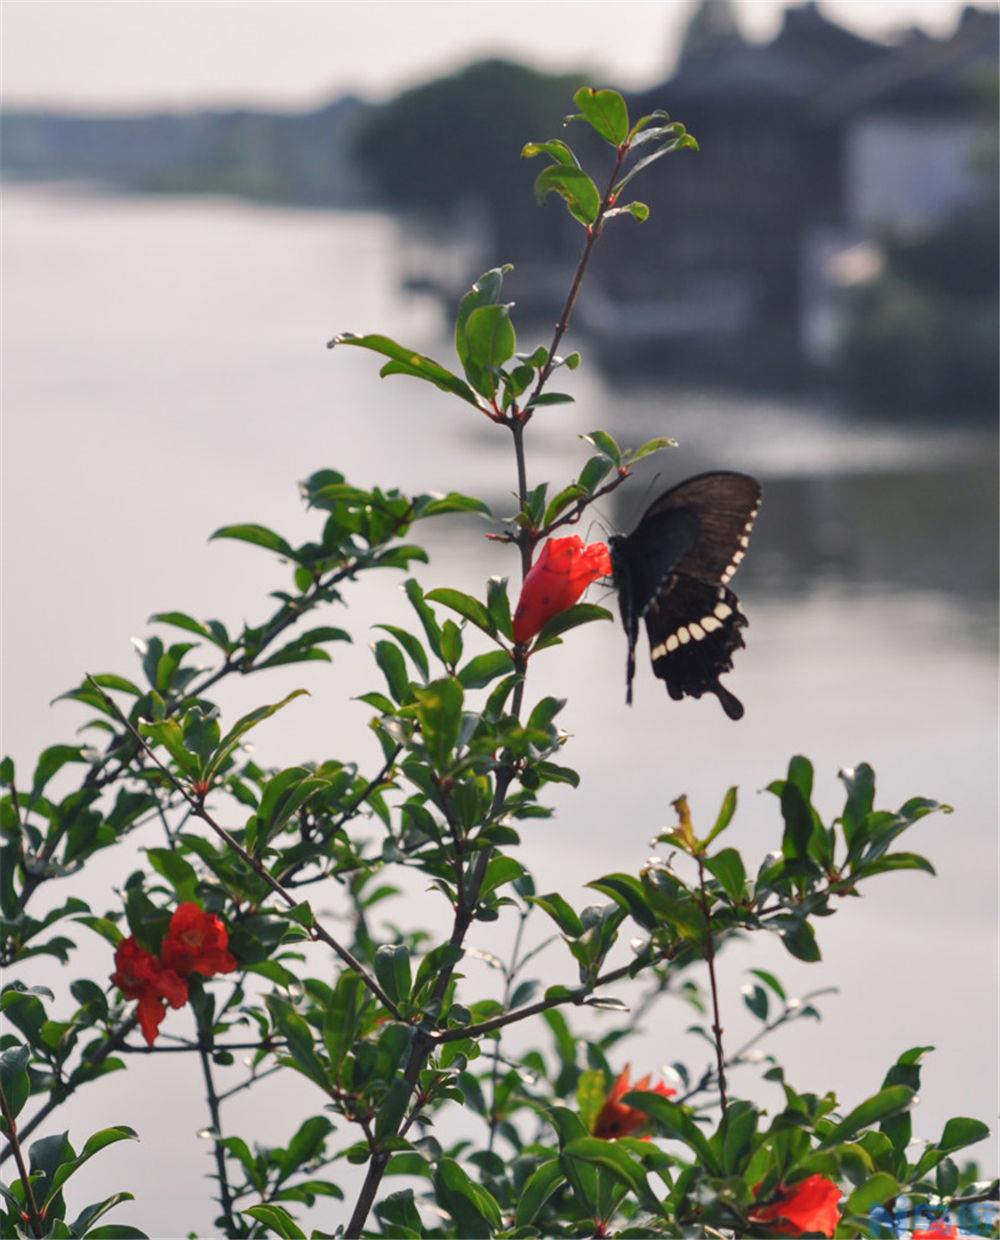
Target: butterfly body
(673,572)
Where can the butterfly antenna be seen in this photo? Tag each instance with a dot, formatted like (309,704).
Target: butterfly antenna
(645,495)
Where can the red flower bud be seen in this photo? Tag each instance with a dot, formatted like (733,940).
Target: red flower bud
(559,576)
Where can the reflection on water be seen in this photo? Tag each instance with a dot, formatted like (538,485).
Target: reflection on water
(166,374)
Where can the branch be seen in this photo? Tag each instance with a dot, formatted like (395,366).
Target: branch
(593,232)
(316,930)
(212,1098)
(720,1058)
(576,995)
(582,504)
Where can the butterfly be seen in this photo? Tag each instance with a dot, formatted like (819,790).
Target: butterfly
(673,571)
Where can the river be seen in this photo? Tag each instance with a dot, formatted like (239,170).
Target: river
(166,374)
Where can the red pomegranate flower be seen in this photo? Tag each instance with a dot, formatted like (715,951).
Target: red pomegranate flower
(618,1120)
(140,975)
(559,576)
(807,1207)
(197,942)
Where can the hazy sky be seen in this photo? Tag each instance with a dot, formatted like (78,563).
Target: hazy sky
(123,54)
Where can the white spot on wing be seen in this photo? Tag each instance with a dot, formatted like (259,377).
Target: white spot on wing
(672,642)
(697,632)
(710,624)
(723,611)
(683,635)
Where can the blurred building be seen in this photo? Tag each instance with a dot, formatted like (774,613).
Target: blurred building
(814,147)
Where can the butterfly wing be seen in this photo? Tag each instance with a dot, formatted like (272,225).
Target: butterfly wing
(694,629)
(673,571)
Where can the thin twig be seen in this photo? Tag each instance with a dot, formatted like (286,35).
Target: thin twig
(720,1058)
(252,1079)
(577,995)
(316,930)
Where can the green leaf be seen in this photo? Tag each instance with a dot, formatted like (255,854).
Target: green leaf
(484,668)
(892,861)
(725,817)
(276,1220)
(485,292)
(425,614)
(684,143)
(604,444)
(798,937)
(454,502)
(498,606)
(638,211)
(439,712)
(678,1123)
(392,968)
(82,1224)
(609,1154)
(605,111)
(400,1213)
(489,342)
(876,1190)
(737,1132)
(467,606)
(552,398)
(242,726)
(541,1184)
(770,980)
(581,195)
(474,1210)
(571,618)
(405,361)
(94,1144)
(555,148)
(180,874)
(630,894)
(591,1094)
(14,1077)
(342,1017)
(50,761)
(170,734)
(860,784)
(258,535)
(959,1132)
(727,867)
(393,667)
(888,1101)
(499,871)
(299,1036)
(798,820)
(565,917)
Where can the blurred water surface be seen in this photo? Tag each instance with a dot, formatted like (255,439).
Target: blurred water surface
(166,373)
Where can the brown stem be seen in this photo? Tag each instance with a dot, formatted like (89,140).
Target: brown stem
(720,1058)
(214,1111)
(593,232)
(423,1042)
(316,931)
(32,1216)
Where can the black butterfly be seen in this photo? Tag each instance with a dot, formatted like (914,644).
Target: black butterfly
(673,571)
